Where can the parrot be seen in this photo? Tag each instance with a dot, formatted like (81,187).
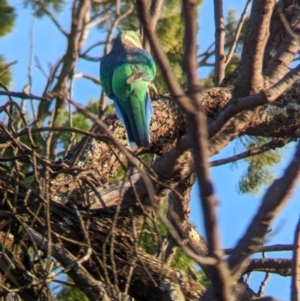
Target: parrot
(126,73)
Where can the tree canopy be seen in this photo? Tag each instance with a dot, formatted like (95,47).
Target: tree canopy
(83,217)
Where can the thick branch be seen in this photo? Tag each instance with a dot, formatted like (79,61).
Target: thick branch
(250,80)
(281,266)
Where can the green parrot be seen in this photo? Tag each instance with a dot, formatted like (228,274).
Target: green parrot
(125,74)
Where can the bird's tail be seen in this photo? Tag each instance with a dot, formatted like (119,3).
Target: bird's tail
(136,118)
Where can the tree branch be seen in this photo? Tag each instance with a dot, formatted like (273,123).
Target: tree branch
(220,41)
(50,15)
(286,51)
(275,143)
(237,33)
(281,266)
(273,201)
(83,75)
(250,80)
(295,291)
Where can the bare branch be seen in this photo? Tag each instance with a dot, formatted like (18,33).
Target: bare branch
(280,266)
(295,293)
(266,299)
(237,33)
(155,9)
(220,276)
(275,143)
(83,75)
(68,61)
(272,248)
(220,41)
(116,22)
(190,65)
(97,21)
(91,47)
(50,15)
(279,63)
(24,95)
(263,285)
(250,78)
(91,58)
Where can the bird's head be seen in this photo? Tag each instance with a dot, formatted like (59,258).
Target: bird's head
(129,37)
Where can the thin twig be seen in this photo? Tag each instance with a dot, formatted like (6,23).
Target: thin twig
(24,95)
(275,143)
(50,15)
(155,9)
(6,67)
(83,75)
(263,285)
(295,293)
(91,47)
(237,33)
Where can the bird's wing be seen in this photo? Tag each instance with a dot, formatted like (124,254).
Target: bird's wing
(142,65)
(106,74)
(140,73)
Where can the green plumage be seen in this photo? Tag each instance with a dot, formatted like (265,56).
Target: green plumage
(125,75)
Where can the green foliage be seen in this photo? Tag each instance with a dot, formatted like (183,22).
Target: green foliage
(7,21)
(5,72)
(118,177)
(7,18)
(181,261)
(207,82)
(39,6)
(234,62)
(259,172)
(69,293)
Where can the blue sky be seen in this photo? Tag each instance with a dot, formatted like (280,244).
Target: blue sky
(235,210)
